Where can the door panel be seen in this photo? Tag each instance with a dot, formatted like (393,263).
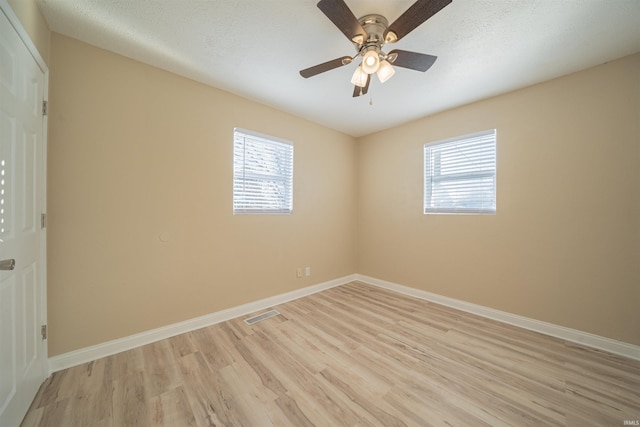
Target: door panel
(22,351)
(29,317)
(28,164)
(8,338)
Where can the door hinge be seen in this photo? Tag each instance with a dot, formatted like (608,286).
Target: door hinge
(44,108)
(43,331)
(43,221)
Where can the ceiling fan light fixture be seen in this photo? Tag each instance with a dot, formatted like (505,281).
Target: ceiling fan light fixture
(385,71)
(359,77)
(369,33)
(370,61)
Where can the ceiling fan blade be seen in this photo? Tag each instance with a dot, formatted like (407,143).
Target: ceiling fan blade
(358,91)
(413,60)
(419,12)
(325,66)
(340,14)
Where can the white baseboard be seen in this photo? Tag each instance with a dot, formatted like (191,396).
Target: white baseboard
(87,354)
(84,355)
(607,344)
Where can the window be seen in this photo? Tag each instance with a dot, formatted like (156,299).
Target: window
(460,174)
(262,174)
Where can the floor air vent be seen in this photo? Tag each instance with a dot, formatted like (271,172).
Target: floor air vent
(261,317)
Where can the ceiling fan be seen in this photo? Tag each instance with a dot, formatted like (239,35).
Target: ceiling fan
(369,33)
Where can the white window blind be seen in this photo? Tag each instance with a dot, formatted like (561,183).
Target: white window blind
(460,174)
(262,173)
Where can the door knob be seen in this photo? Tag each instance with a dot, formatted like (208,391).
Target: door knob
(8,264)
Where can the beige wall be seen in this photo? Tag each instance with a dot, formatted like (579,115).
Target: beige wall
(135,152)
(29,15)
(564,246)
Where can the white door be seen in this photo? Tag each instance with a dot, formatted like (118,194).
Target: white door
(22,289)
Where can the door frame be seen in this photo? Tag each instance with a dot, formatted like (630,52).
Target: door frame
(5,8)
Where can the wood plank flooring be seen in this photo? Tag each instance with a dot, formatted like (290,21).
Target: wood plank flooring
(354,355)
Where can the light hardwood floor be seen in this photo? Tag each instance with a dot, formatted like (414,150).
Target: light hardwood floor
(354,355)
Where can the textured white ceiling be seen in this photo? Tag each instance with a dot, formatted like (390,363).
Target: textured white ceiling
(255,48)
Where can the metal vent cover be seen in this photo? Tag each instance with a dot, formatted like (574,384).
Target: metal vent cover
(260,317)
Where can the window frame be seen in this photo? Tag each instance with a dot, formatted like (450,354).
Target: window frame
(468,176)
(240,205)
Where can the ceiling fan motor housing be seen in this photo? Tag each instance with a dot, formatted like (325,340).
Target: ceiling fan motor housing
(374,25)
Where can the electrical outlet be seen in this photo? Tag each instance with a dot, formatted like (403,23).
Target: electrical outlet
(299,272)
(308,271)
